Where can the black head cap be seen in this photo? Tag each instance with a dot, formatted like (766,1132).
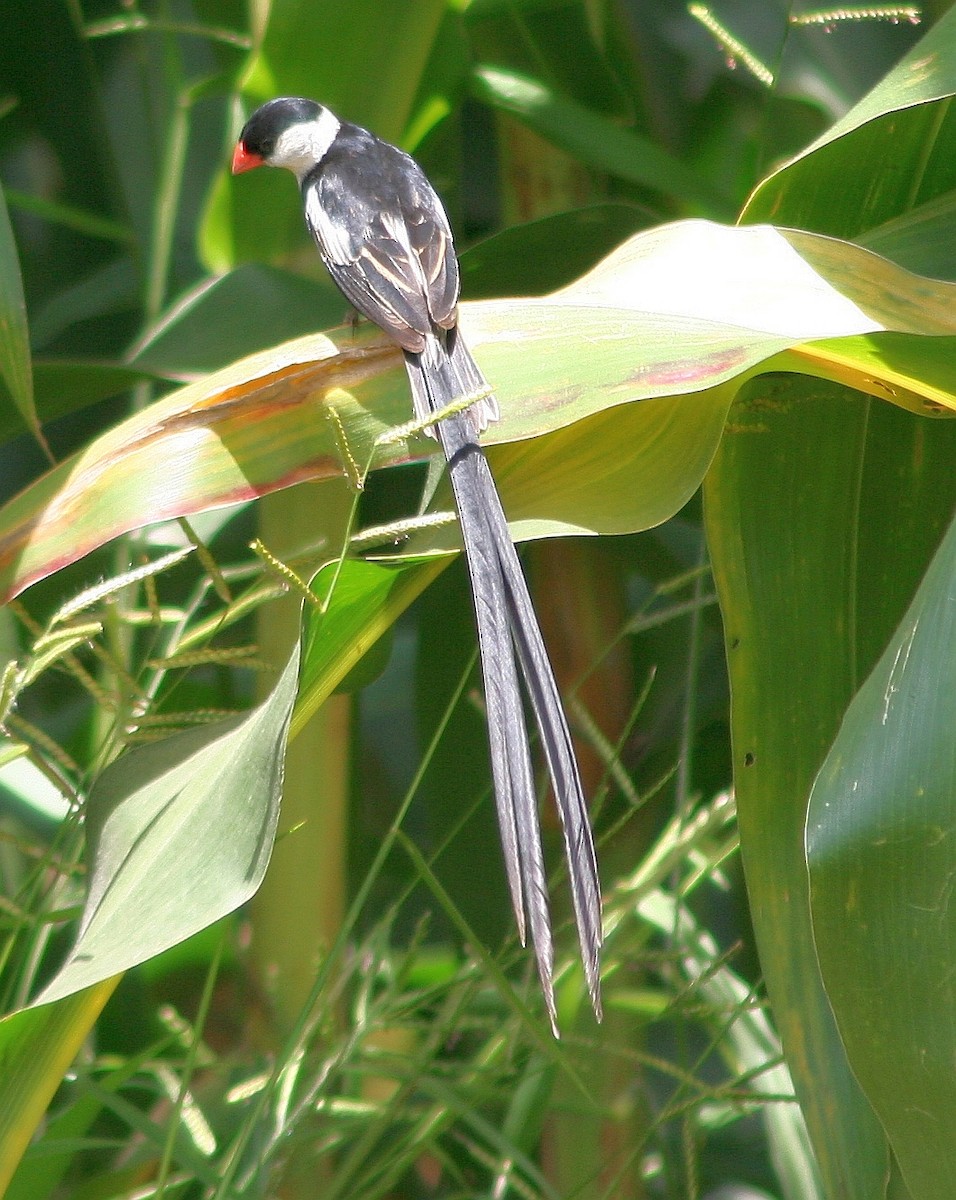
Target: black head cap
(271,119)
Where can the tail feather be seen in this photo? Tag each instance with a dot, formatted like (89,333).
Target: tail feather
(507,626)
(510,755)
(445,372)
(562,764)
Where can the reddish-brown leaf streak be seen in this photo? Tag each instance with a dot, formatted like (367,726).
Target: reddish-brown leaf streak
(172,432)
(711,368)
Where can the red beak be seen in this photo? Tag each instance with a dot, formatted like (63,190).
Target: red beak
(242,160)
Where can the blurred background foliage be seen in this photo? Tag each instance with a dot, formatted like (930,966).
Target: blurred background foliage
(553,130)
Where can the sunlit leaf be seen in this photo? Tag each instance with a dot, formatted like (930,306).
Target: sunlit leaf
(891,153)
(179,833)
(37,1046)
(361,601)
(672,315)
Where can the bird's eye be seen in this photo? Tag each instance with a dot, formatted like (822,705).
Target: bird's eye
(266,146)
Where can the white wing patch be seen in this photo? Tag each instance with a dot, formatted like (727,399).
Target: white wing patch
(396,229)
(333,239)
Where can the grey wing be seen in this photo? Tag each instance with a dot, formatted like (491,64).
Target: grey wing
(394,261)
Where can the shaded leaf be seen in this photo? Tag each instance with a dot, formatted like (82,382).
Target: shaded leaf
(794,538)
(594,139)
(538,256)
(66,386)
(15,364)
(879,834)
(822,511)
(110,290)
(89,223)
(234,315)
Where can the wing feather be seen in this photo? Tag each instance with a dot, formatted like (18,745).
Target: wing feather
(384,237)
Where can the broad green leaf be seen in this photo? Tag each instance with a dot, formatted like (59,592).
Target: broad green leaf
(538,256)
(236,314)
(913,373)
(822,508)
(15,364)
(627,468)
(674,312)
(179,833)
(37,1046)
(926,73)
(881,875)
(922,239)
(891,153)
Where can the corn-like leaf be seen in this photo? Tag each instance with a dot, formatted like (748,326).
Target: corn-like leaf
(881,877)
(671,317)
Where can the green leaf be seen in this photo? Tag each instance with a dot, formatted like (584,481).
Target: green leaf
(891,153)
(370,36)
(67,386)
(109,290)
(617,471)
(672,315)
(15,364)
(70,217)
(236,314)
(539,256)
(922,239)
(594,139)
(37,1046)
(881,876)
(822,509)
(360,602)
(179,833)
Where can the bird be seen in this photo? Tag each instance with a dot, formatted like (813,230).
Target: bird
(384,235)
